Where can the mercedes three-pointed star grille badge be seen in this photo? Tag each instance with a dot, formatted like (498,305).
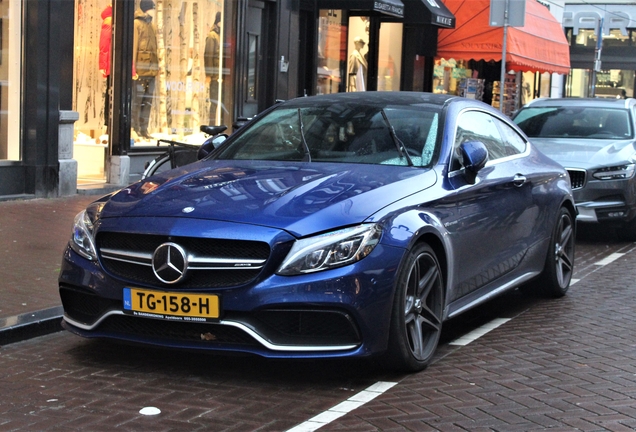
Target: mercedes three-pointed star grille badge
(169,263)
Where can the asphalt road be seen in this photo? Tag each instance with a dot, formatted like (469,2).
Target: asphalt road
(518,363)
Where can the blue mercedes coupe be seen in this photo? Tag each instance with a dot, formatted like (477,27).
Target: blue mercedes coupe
(330,226)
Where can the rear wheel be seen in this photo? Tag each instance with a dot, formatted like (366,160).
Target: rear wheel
(416,321)
(559,263)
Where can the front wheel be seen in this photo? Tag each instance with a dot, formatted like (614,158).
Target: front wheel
(559,263)
(416,320)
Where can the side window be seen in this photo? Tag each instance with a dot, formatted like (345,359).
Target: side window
(478,126)
(513,142)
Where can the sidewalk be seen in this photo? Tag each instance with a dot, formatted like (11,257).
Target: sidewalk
(33,235)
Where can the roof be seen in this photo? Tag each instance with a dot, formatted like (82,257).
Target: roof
(583,102)
(374,98)
(539,46)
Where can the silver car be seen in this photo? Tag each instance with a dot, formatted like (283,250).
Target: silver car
(594,140)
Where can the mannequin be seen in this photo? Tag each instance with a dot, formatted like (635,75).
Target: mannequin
(212,66)
(357,67)
(145,67)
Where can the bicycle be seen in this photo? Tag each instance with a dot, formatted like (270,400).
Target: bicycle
(180,153)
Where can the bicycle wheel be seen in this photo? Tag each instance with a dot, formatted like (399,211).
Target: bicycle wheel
(159,164)
(164,162)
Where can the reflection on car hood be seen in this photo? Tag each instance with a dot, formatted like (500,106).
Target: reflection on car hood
(585,153)
(300,198)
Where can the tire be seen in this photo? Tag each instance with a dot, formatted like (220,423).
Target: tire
(559,263)
(416,319)
(628,231)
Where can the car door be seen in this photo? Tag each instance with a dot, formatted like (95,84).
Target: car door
(490,235)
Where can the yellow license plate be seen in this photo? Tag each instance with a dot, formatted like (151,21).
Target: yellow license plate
(171,305)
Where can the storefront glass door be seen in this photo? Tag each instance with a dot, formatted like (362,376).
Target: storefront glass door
(10,78)
(331,32)
(390,57)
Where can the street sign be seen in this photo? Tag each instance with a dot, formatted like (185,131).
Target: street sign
(516,13)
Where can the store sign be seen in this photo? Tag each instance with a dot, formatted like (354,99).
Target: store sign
(444,21)
(580,17)
(389,8)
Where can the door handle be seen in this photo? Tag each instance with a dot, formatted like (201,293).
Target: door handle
(519,180)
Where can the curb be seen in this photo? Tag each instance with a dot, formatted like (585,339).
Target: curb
(29,325)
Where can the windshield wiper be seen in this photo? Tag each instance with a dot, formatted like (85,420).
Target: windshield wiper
(398,143)
(307,157)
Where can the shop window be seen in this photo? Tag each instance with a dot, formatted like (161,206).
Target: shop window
(10,77)
(192,77)
(617,39)
(181,74)
(390,56)
(545,83)
(448,75)
(330,53)
(586,38)
(578,83)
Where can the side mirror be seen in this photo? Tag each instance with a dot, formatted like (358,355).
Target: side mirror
(210,144)
(475,156)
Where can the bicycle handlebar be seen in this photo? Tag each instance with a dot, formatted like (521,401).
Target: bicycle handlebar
(177,143)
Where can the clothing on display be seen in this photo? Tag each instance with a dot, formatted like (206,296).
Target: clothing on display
(145,67)
(357,67)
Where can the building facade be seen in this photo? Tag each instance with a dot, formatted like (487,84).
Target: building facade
(602,38)
(90,88)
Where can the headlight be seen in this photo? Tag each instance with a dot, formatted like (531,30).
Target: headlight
(615,172)
(82,240)
(330,250)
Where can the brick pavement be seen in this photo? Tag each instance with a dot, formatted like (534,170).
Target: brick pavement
(566,364)
(33,234)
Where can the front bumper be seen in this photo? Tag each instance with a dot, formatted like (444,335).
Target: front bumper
(606,201)
(334,313)
(603,211)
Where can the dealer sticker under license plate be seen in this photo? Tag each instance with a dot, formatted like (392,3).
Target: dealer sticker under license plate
(171,305)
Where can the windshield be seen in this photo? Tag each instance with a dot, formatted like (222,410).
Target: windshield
(575,122)
(401,135)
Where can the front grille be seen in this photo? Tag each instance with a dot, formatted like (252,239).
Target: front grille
(129,256)
(577,178)
(175,331)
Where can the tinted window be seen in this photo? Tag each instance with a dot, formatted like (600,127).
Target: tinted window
(479,126)
(575,122)
(513,142)
(346,133)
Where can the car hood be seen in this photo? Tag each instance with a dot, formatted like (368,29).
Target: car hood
(301,198)
(586,153)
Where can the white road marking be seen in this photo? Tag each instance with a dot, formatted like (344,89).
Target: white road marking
(380,387)
(608,259)
(343,408)
(479,332)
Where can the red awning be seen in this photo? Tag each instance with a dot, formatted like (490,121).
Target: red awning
(539,46)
